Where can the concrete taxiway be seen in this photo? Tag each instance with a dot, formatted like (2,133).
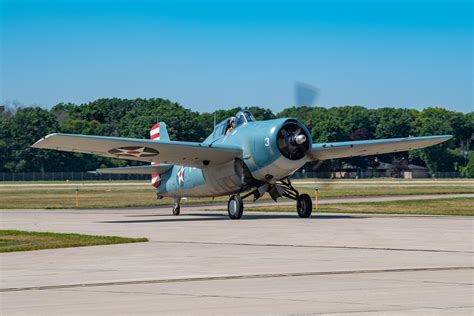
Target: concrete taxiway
(203,263)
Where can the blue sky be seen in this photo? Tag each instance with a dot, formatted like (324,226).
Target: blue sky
(218,54)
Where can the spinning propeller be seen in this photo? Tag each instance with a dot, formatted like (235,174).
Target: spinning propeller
(307,95)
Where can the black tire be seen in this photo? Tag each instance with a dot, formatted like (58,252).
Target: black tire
(304,206)
(235,207)
(176,210)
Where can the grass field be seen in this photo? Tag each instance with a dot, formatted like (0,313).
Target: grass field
(51,195)
(458,207)
(15,240)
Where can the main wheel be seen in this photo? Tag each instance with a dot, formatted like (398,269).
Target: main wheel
(304,206)
(235,207)
(176,210)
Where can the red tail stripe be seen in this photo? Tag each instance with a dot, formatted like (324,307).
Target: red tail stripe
(155,134)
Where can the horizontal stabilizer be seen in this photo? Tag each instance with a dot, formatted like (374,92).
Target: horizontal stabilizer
(155,169)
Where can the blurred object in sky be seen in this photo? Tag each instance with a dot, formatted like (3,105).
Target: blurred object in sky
(305,94)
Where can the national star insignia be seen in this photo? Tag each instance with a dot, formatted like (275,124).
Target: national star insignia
(136,152)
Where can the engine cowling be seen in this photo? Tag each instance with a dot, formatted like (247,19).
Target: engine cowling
(293,140)
(280,147)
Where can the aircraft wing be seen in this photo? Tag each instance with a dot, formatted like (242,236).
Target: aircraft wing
(372,147)
(169,152)
(151,169)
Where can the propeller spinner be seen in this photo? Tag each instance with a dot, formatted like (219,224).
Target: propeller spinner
(293,141)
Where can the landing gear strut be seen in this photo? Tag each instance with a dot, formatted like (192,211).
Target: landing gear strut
(176,206)
(283,188)
(304,204)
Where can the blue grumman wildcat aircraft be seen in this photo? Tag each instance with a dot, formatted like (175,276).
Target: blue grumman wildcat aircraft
(242,157)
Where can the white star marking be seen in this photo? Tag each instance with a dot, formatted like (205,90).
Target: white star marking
(132,152)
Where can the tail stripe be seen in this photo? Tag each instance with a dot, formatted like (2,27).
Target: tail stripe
(155,131)
(155,135)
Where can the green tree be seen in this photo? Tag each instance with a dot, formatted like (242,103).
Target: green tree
(27,126)
(468,170)
(5,139)
(302,113)
(439,121)
(134,118)
(392,122)
(327,131)
(182,123)
(348,118)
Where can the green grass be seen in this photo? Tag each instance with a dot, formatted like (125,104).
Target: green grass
(16,240)
(63,195)
(457,207)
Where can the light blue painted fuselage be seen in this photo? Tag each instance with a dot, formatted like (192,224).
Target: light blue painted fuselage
(261,158)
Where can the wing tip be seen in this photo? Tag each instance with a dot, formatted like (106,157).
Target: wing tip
(438,138)
(41,142)
(442,138)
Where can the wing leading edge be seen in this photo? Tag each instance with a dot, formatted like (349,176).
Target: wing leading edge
(372,147)
(169,152)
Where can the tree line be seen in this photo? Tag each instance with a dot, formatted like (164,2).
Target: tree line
(21,127)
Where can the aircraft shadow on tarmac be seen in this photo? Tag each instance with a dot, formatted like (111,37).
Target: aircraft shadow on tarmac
(216,217)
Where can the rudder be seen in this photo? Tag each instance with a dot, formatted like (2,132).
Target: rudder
(158,132)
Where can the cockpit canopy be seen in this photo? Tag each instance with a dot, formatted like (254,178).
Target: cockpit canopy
(243,117)
(226,126)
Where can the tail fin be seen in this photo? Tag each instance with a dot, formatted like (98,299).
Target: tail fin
(158,132)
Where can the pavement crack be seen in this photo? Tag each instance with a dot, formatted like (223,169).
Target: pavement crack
(190,295)
(310,246)
(230,277)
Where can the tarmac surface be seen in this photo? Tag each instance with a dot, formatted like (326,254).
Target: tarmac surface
(203,263)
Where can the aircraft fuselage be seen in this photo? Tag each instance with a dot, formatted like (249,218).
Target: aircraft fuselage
(262,158)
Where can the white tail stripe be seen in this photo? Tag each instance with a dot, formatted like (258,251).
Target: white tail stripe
(155,134)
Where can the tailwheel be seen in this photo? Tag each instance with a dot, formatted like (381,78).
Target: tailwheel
(235,207)
(176,207)
(176,210)
(304,205)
